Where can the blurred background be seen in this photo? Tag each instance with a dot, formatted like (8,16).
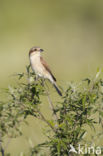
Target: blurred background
(70,32)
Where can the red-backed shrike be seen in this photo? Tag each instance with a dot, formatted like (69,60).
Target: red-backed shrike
(40,67)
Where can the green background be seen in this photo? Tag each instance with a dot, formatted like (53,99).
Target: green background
(70,32)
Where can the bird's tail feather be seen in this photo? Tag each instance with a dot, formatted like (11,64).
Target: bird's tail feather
(57,89)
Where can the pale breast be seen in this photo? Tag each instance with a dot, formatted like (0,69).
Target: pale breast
(36,65)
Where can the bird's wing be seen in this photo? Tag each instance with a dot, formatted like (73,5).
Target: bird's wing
(47,68)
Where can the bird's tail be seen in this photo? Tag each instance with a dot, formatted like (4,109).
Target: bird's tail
(57,89)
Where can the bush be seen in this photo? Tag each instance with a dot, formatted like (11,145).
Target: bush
(80,107)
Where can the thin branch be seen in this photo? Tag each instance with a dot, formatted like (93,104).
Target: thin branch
(44,119)
(51,103)
(9,139)
(1,148)
(8,142)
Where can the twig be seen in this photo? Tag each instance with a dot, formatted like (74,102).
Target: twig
(9,139)
(43,118)
(6,146)
(1,148)
(51,104)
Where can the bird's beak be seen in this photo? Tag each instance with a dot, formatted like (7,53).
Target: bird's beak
(41,50)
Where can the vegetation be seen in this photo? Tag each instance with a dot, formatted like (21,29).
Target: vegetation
(80,107)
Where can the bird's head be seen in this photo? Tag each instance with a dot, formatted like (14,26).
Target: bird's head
(35,50)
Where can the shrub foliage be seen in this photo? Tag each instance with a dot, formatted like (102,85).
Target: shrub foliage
(80,107)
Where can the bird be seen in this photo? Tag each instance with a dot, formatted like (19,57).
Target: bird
(40,67)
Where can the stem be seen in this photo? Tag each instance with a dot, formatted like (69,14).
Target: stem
(44,119)
(6,146)
(51,104)
(66,122)
(1,148)
(9,140)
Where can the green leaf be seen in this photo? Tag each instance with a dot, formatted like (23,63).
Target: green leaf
(98,72)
